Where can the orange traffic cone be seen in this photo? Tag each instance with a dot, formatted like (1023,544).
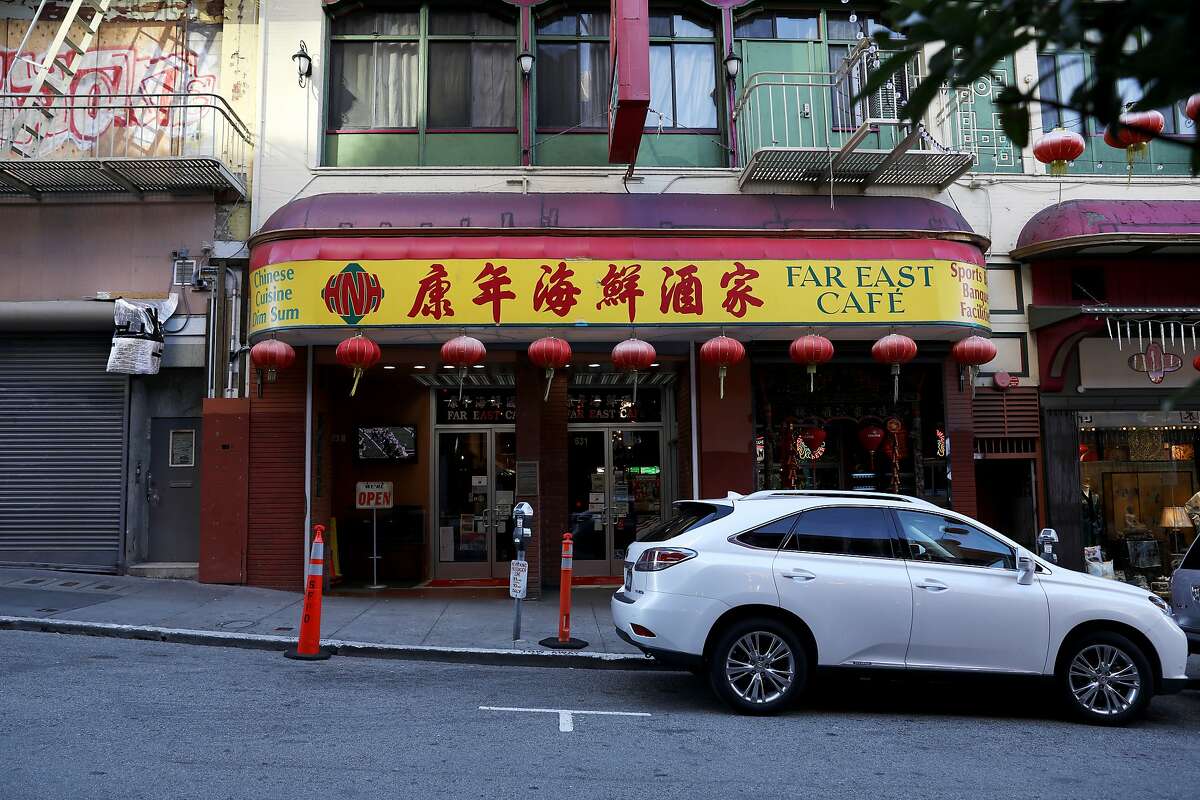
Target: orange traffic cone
(309,646)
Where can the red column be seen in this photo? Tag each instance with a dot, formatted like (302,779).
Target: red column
(726,431)
(224,466)
(960,429)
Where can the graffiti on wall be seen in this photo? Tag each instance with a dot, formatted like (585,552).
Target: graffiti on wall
(114,102)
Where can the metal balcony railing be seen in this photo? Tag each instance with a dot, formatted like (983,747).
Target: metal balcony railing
(138,143)
(812,127)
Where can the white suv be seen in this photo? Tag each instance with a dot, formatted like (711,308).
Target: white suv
(760,590)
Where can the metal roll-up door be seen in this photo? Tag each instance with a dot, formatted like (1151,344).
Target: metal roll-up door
(62,452)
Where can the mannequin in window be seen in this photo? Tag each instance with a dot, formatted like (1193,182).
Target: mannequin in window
(1133,525)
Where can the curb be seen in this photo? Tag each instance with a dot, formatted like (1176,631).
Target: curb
(253,641)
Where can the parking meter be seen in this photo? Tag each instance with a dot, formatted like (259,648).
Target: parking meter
(1047,540)
(522,514)
(519,568)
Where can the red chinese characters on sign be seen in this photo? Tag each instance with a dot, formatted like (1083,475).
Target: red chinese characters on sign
(681,291)
(555,291)
(620,285)
(491,281)
(431,300)
(740,293)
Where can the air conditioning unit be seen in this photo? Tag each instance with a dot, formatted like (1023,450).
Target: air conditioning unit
(183,272)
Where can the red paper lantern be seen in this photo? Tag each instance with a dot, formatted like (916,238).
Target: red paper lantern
(360,354)
(633,355)
(813,437)
(722,352)
(270,356)
(811,351)
(894,349)
(1058,148)
(971,354)
(1196,363)
(870,437)
(463,352)
(1132,131)
(550,353)
(1192,109)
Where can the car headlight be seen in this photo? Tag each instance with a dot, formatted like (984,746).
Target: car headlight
(1162,604)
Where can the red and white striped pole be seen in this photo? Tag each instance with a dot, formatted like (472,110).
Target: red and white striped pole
(566,573)
(309,646)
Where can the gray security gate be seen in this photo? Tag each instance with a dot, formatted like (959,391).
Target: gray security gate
(62,452)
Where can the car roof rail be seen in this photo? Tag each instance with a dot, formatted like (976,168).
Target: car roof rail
(775,494)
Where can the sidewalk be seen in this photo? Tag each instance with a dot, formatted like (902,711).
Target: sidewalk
(480,619)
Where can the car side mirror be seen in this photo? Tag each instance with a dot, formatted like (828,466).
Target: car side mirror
(1025,570)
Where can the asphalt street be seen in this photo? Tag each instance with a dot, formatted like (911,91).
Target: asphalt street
(110,718)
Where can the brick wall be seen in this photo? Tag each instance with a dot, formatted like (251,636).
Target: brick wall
(275,530)
(960,428)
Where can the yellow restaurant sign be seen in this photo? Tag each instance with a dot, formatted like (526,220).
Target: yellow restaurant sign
(540,292)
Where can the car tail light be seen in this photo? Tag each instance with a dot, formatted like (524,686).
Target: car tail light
(659,558)
(642,630)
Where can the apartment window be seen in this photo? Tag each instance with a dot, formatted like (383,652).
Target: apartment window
(683,72)
(573,82)
(375,75)
(1059,75)
(799,26)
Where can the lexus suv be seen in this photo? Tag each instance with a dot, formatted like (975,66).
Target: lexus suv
(759,591)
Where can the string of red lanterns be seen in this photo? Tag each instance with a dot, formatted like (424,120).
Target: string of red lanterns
(360,354)
(270,356)
(550,353)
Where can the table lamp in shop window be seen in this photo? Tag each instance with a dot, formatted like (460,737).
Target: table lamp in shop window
(1175,519)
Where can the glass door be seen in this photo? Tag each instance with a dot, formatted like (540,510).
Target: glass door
(614,490)
(476,475)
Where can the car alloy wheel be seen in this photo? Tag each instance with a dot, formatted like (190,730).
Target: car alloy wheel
(1104,680)
(760,667)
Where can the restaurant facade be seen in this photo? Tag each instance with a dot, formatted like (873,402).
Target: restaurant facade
(599,445)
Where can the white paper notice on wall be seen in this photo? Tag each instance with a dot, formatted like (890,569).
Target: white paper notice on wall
(504,498)
(596,497)
(479,481)
(446,543)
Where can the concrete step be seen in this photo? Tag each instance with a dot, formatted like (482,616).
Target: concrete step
(180,570)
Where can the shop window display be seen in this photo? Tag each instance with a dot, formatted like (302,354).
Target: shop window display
(847,434)
(1138,495)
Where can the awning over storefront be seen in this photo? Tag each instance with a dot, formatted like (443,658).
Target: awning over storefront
(1112,227)
(671,266)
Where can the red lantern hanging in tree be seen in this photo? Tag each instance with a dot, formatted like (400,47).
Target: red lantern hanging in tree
(811,350)
(722,352)
(1057,149)
(463,352)
(894,349)
(360,354)
(270,356)
(633,355)
(971,354)
(1132,131)
(550,353)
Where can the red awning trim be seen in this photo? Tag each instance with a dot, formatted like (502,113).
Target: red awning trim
(617,248)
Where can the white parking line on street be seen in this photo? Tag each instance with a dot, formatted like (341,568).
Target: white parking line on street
(566,716)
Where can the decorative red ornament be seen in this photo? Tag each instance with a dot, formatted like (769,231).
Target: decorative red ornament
(633,355)
(813,437)
(550,353)
(1196,362)
(1132,131)
(870,437)
(894,349)
(271,355)
(463,352)
(360,354)
(1058,148)
(971,354)
(1192,109)
(811,351)
(722,352)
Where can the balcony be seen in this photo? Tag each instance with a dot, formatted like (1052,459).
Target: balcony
(126,143)
(807,127)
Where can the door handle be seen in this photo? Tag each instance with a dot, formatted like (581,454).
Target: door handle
(931,585)
(801,575)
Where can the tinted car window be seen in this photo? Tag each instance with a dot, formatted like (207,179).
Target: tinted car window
(688,516)
(769,536)
(943,540)
(844,531)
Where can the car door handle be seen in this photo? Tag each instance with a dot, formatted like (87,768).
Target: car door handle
(802,575)
(930,585)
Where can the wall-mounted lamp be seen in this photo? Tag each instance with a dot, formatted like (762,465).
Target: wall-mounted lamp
(303,63)
(526,60)
(733,63)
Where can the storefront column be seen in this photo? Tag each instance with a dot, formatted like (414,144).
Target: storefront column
(726,431)
(960,430)
(1060,447)
(224,466)
(275,526)
(542,438)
